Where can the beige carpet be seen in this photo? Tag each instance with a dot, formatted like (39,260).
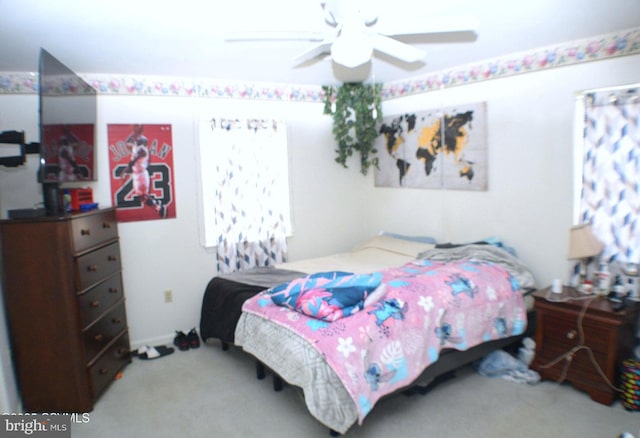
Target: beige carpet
(211,393)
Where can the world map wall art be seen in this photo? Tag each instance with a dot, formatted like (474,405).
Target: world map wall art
(436,149)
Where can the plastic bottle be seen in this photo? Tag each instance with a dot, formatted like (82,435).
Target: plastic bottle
(603,278)
(619,289)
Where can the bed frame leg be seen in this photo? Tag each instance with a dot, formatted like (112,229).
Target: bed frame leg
(277,383)
(225,346)
(260,371)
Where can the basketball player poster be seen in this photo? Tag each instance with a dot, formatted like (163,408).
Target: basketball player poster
(141,171)
(68,152)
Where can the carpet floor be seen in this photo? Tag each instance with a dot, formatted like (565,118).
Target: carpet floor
(208,392)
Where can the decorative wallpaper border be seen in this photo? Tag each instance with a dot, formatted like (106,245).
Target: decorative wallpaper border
(597,48)
(622,43)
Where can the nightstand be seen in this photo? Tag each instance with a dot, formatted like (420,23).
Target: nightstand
(570,326)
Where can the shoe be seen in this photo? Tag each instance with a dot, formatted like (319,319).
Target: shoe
(148,353)
(194,340)
(181,341)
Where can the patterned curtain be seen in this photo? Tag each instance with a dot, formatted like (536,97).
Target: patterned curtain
(251,205)
(610,198)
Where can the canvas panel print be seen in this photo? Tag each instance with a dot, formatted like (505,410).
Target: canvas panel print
(141,171)
(441,148)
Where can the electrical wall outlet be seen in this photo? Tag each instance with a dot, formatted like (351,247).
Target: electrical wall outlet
(168,296)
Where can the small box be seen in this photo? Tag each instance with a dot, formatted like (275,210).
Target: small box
(80,197)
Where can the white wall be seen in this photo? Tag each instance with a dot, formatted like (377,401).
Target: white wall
(529,203)
(166,254)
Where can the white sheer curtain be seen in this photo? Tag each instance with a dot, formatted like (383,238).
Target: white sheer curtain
(244,170)
(610,192)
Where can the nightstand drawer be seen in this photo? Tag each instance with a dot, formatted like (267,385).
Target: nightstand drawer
(105,330)
(564,331)
(97,300)
(97,265)
(92,230)
(581,364)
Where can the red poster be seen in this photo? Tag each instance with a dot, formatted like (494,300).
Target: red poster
(141,172)
(68,152)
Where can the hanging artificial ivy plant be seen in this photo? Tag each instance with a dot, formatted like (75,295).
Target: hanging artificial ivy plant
(355,108)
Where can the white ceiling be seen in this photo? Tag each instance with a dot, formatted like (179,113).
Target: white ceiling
(186,38)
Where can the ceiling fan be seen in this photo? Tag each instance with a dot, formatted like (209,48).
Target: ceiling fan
(356,34)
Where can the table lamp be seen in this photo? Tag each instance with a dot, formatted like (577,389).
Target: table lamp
(583,245)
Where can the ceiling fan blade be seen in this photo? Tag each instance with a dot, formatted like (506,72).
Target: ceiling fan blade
(314,51)
(391,47)
(436,25)
(274,36)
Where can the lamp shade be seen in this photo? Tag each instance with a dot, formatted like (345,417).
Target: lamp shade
(582,242)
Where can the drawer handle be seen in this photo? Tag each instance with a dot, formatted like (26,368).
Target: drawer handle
(104,371)
(113,290)
(122,352)
(572,334)
(106,225)
(99,337)
(92,268)
(95,303)
(116,320)
(112,258)
(85,232)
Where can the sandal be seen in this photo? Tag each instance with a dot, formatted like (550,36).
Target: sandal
(194,340)
(147,353)
(181,341)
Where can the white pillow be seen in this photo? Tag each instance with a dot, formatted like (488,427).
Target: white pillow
(398,246)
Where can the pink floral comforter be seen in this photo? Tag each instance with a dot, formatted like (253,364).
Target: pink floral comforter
(427,306)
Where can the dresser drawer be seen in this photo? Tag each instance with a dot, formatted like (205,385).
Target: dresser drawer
(98,299)
(103,331)
(97,265)
(92,230)
(110,363)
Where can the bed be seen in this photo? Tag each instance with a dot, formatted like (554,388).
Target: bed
(426,321)
(225,294)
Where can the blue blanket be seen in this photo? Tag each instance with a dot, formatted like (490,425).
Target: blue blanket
(327,295)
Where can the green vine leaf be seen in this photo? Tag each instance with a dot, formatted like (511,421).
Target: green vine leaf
(356,109)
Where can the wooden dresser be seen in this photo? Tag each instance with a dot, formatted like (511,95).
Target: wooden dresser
(65,306)
(574,330)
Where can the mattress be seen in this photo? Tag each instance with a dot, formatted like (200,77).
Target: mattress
(375,254)
(225,294)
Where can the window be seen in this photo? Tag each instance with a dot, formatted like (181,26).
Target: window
(610,168)
(245,191)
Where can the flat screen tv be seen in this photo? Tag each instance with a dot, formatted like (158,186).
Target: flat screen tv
(68,116)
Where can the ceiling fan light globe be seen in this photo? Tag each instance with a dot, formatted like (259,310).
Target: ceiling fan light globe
(351,52)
